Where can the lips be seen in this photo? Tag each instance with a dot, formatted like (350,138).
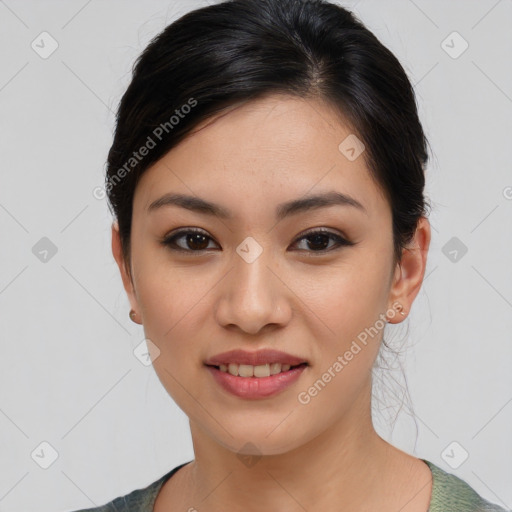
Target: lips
(257,358)
(256,388)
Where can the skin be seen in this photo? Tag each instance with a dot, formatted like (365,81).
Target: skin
(323,455)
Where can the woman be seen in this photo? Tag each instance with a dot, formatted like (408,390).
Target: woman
(267,182)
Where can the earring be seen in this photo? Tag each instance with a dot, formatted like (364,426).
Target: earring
(132,315)
(400,308)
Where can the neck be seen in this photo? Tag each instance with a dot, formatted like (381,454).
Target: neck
(340,468)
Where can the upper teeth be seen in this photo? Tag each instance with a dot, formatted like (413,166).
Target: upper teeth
(248,370)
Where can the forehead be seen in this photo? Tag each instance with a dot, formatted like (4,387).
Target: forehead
(263,151)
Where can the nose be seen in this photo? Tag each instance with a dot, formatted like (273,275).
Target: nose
(253,297)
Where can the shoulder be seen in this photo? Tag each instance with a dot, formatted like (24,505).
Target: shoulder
(451,493)
(139,500)
(136,501)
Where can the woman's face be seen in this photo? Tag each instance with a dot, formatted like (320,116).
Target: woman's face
(256,281)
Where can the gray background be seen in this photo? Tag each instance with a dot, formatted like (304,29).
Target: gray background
(68,374)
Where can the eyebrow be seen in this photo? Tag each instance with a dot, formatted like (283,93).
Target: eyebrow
(304,204)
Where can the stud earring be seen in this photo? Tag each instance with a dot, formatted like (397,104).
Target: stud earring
(132,315)
(400,308)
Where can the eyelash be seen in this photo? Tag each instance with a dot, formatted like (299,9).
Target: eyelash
(170,241)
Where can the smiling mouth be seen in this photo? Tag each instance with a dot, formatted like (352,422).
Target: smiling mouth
(264,370)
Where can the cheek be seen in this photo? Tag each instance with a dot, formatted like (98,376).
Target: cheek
(350,300)
(169,305)
(342,374)
(166,292)
(349,297)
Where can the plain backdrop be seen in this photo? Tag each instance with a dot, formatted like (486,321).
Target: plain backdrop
(82,420)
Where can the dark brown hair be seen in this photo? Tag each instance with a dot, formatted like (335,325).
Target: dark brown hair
(238,50)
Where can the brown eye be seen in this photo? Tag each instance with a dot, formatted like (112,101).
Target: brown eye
(193,241)
(318,241)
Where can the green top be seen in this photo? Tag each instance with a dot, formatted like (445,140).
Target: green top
(449,494)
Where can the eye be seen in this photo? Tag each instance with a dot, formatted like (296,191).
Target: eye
(195,240)
(320,238)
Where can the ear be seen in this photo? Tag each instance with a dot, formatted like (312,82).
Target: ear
(125,274)
(409,272)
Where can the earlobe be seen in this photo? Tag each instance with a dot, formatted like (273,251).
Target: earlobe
(409,272)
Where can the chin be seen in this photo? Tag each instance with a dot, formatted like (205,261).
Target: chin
(257,441)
